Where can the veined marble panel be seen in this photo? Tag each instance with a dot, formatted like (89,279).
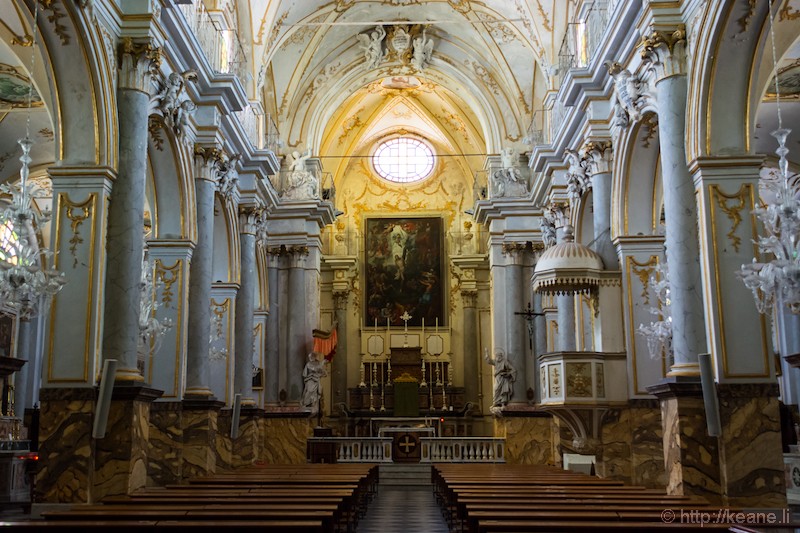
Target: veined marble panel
(121,456)
(529,440)
(751,447)
(247,446)
(614,459)
(66,463)
(647,447)
(224,447)
(165,447)
(691,456)
(285,439)
(199,442)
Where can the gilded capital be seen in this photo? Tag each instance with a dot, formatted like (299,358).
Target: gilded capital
(340,300)
(469,298)
(665,51)
(250,218)
(207,162)
(138,60)
(599,156)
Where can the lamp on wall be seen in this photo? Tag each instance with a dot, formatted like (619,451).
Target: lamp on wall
(25,283)
(777,280)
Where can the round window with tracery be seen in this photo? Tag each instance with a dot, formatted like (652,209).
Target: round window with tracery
(403,160)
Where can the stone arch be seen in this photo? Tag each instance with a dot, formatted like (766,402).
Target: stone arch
(725,80)
(171,193)
(226,242)
(637,193)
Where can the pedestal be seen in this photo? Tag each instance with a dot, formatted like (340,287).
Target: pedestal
(199,425)
(121,456)
(66,461)
(285,438)
(165,450)
(530,439)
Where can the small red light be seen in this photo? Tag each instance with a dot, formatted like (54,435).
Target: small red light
(31,456)
(441,419)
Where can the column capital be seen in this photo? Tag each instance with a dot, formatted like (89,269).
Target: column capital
(208,159)
(138,60)
(665,52)
(598,156)
(340,300)
(250,218)
(470,298)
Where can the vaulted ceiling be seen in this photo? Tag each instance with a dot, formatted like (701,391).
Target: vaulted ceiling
(486,77)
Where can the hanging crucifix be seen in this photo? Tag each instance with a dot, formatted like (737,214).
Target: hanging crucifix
(530,317)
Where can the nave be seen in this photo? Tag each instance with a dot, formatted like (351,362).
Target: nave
(465,498)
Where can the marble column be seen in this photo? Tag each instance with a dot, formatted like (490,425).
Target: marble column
(565,304)
(298,331)
(666,54)
(207,162)
(272,364)
(249,218)
(599,159)
(25,378)
(539,341)
(72,346)
(469,299)
(339,364)
(125,243)
(516,347)
(789,347)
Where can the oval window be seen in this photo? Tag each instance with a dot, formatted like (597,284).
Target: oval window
(403,160)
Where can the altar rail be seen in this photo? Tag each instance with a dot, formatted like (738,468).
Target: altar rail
(463,450)
(434,449)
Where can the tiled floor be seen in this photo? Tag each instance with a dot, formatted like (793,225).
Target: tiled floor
(404,509)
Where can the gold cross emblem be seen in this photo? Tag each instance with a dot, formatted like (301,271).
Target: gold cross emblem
(408,443)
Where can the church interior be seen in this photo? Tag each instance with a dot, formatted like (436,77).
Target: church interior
(555,236)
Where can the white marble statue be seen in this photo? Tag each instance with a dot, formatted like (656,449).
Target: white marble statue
(629,95)
(423,51)
(228,176)
(372,45)
(300,184)
(504,376)
(183,113)
(577,180)
(548,228)
(508,181)
(313,373)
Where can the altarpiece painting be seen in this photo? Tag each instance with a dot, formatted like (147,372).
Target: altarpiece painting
(403,271)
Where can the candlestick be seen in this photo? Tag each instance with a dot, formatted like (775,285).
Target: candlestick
(363,376)
(444,399)
(430,389)
(424,383)
(383,389)
(389,373)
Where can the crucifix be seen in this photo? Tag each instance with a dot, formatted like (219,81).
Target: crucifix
(530,316)
(405,317)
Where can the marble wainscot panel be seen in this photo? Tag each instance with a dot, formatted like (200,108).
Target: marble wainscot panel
(199,425)
(647,444)
(66,461)
(224,447)
(285,439)
(613,460)
(121,456)
(247,446)
(750,445)
(165,451)
(631,445)
(691,457)
(529,439)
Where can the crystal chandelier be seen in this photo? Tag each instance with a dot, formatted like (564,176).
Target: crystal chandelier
(778,280)
(151,329)
(26,285)
(659,333)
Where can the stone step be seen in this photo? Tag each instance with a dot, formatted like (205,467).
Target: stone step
(404,474)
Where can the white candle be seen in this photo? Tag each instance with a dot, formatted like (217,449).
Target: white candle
(437,324)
